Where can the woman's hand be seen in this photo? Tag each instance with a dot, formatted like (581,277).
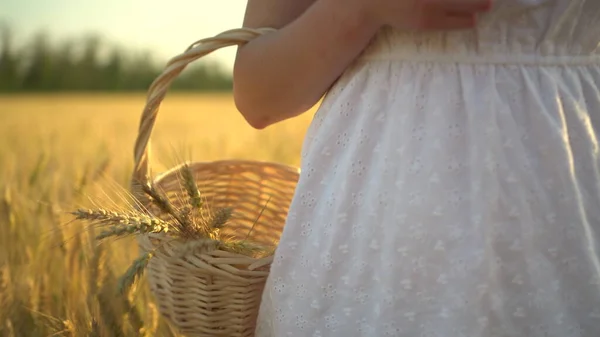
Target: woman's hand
(423,14)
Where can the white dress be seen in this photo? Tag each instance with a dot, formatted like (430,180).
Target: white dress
(450,187)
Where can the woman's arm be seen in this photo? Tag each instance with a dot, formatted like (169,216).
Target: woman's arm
(283,74)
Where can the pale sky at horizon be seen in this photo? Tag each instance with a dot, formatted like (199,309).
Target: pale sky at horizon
(165,28)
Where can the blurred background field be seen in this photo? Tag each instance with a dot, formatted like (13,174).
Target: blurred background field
(60,152)
(69,113)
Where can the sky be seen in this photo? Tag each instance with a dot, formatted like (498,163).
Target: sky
(163,27)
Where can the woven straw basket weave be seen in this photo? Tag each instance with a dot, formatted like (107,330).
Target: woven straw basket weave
(212,293)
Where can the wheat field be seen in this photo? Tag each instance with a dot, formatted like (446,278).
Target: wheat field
(62,152)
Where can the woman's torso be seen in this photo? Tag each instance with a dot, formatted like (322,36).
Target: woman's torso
(450,185)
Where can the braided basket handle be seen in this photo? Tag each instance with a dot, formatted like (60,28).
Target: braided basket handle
(159,87)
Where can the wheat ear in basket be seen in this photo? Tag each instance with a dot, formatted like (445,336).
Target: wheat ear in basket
(212,292)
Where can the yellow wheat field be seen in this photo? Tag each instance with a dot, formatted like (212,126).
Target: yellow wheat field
(61,152)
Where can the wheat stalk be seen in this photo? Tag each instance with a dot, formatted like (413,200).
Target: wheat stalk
(122,224)
(194,222)
(134,272)
(191,187)
(221,217)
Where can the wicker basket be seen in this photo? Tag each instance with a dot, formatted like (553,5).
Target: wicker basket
(212,293)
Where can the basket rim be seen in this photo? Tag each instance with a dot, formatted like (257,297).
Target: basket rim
(264,163)
(205,260)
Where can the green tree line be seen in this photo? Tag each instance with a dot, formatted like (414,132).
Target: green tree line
(90,63)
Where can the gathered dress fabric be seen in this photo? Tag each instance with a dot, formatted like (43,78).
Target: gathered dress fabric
(450,186)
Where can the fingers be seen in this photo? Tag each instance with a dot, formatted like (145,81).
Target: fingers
(457,6)
(451,14)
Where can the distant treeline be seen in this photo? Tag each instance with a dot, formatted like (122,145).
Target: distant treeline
(90,64)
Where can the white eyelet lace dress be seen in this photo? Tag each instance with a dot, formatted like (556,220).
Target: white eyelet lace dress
(450,187)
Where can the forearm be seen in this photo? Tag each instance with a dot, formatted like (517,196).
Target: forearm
(283,74)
